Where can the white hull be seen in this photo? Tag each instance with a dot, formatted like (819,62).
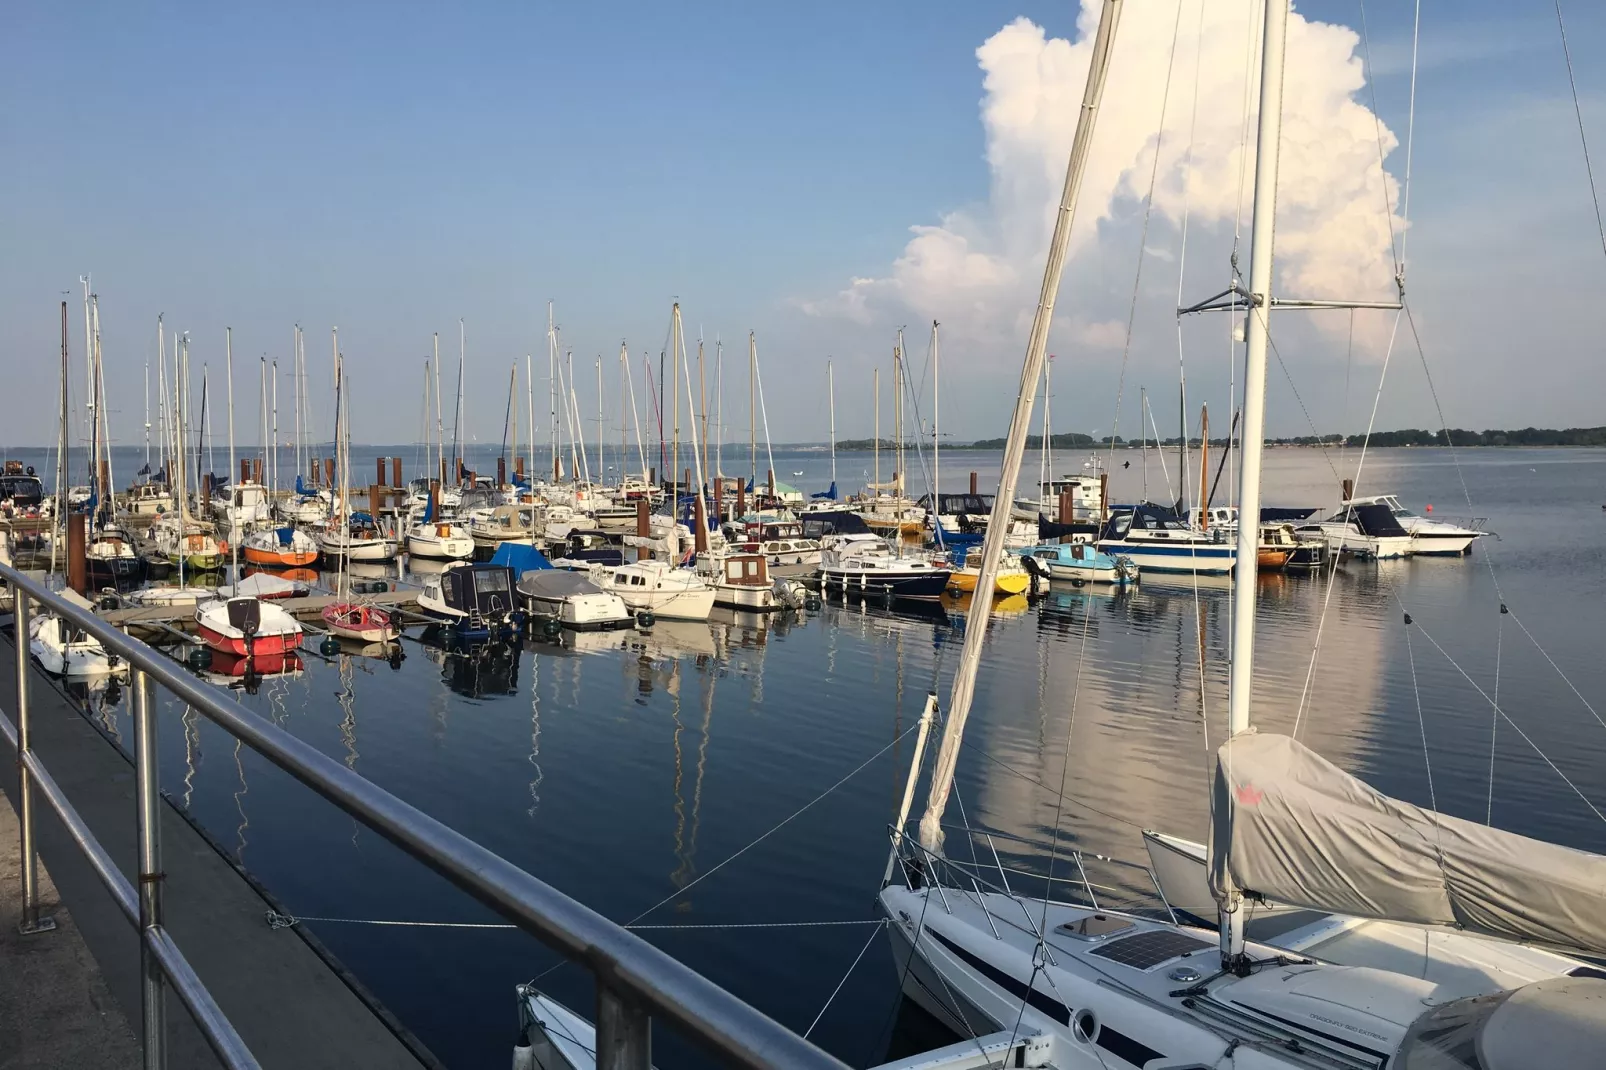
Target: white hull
(359,549)
(739,596)
(1197,558)
(84,657)
(683,604)
(450,549)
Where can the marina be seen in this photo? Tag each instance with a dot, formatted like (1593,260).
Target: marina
(558,730)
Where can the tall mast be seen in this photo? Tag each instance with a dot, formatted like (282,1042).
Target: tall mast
(674,456)
(601,467)
(457,426)
(529,401)
(875,394)
(1048,428)
(228,356)
(897,419)
(752,407)
(635,418)
(262,398)
(830,390)
(440,428)
(702,405)
(624,426)
(273,458)
(61,443)
(1256,334)
(89,375)
(295,362)
(162,432)
(942,776)
(936,434)
(552,387)
(719,406)
(147,415)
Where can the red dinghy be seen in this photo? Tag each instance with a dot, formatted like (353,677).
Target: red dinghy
(362,623)
(247,626)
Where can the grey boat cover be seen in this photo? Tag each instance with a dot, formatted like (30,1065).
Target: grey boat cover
(556,583)
(1289,825)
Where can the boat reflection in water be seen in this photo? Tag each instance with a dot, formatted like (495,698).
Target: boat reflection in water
(473,670)
(243,672)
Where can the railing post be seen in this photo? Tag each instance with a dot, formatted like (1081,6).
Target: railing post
(147,788)
(624,1032)
(31,921)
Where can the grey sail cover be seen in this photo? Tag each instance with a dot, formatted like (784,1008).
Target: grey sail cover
(1291,826)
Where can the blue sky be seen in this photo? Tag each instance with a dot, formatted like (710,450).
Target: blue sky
(391,168)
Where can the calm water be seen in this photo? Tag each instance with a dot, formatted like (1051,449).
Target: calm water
(625,770)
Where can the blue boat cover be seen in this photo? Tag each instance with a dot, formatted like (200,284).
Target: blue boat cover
(284,535)
(519,558)
(828,495)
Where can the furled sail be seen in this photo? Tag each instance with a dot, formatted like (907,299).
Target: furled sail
(1291,826)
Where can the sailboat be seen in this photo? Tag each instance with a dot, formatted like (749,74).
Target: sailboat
(1098,987)
(345,619)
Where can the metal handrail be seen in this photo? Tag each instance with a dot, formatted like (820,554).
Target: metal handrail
(634,979)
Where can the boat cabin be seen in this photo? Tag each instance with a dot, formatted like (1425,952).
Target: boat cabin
(478,590)
(746,570)
(1146,520)
(19,489)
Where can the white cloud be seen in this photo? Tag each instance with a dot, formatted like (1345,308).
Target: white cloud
(978,268)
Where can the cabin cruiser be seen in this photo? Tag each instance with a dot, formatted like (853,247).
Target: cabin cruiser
(1079,562)
(503,524)
(1087,499)
(573,600)
(865,564)
(246,626)
(782,542)
(241,504)
(1156,539)
(148,499)
(21,491)
(1368,531)
(439,539)
(474,601)
(658,588)
(740,580)
(111,559)
(1428,536)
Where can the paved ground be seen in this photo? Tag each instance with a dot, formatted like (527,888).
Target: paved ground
(290,1005)
(56,1012)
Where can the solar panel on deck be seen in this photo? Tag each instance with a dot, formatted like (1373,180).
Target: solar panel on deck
(1147,950)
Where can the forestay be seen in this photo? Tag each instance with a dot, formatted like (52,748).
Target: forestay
(1292,827)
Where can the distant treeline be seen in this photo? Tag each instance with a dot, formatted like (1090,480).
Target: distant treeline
(1527,436)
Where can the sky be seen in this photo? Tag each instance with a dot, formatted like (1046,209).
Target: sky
(819,175)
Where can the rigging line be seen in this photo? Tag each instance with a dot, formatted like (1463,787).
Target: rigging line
(1507,718)
(678,892)
(1553,665)
(1143,239)
(1332,575)
(1427,761)
(1410,141)
(1494,719)
(837,990)
(1589,168)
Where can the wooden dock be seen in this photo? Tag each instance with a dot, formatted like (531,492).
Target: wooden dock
(308,608)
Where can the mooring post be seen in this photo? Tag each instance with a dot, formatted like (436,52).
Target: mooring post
(31,921)
(624,1033)
(147,789)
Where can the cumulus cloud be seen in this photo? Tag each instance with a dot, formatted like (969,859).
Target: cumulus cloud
(978,268)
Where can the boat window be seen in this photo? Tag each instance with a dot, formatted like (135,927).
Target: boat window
(752,568)
(490,581)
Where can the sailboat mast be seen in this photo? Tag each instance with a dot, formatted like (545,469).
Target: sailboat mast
(1256,336)
(457,426)
(674,456)
(830,390)
(752,408)
(635,417)
(936,434)
(273,458)
(702,405)
(89,374)
(719,407)
(529,401)
(942,777)
(875,394)
(552,389)
(440,428)
(897,420)
(624,426)
(601,468)
(61,442)
(228,356)
(147,414)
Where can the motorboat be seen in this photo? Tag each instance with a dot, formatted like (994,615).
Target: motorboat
(241,505)
(148,499)
(1086,499)
(1280,547)
(246,626)
(169,595)
(740,581)
(571,599)
(475,601)
(1156,539)
(281,547)
(658,588)
(782,542)
(440,539)
(22,493)
(360,622)
(1012,578)
(503,524)
(1428,536)
(64,649)
(1368,531)
(865,564)
(1079,562)
(359,540)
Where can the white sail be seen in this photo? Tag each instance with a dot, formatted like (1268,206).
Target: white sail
(1290,826)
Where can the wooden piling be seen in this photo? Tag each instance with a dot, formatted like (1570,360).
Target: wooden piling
(457,470)
(329,470)
(700,516)
(206,489)
(245,469)
(771,481)
(518,466)
(973,482)
(379,470)
(396,473)
(1066,509)
(434,499)
(256,469)
(1349,489)
(643,527)
(741,497)
(501,471)
(77,567)
(373,500)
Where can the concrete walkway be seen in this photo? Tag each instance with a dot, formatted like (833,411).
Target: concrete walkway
(291,1006)
(55,1009)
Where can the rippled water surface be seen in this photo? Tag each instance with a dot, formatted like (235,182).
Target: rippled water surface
(652,776)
